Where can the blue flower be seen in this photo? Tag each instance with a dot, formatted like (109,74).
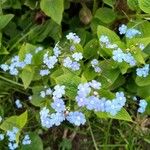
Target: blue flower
(104,39)
(76,118)
(123,29)
(5,67)
(94,84)
(75,66)
(58,105)
(18,103)
(26,140)
(132,33)
(1,137)
(143,72)
(59,91)
(44,72)
(57,118)
(142,106)
(118,55)
(48,91)
(84,89)
(73,37)
(56,50)
(12,134)
(28,59)
(94,64)
(67,62)
(49,61)
(42,94)
(81,100)
(77,56)
(12,146)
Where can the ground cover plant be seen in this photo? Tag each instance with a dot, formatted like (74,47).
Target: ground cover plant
(74,74)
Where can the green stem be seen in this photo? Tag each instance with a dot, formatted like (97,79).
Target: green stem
(107,133)
(95,145)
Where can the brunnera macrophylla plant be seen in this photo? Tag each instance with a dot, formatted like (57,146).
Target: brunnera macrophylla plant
(69,82)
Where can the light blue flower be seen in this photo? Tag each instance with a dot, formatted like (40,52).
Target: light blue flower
(5,67)
(73,37)
(59,91)
(1,137)
(132,33)
(12,146)
(77,56)
(56,50)
(28,58)
(123,29)
(143,72)
(67,62)
(43,94)
(26,140)
(58,105)
(75,66)
(76,118)
(95,84)
(142,106)
(18,103)
(44,72)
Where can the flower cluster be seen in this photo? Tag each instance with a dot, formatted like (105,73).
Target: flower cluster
(120,56)
(12,138)
(49,120)
(73,38)
(144,71)
(17,64)
(142,105)
(50,61)
(74,65)
(93,102)
(94,64)
(129,32)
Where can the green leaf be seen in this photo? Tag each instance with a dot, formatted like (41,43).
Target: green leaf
(15,121)
(109,2)
(122,115)
(27,76)
(143,91)
(90,49)
(109,73)
(106,15)
(49,28)
(5,19)
(147,49)
(143,81)
(133,4)
(113,37)
(36,143)
(53,9)
(26,48)
(71,82)
(145,5)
